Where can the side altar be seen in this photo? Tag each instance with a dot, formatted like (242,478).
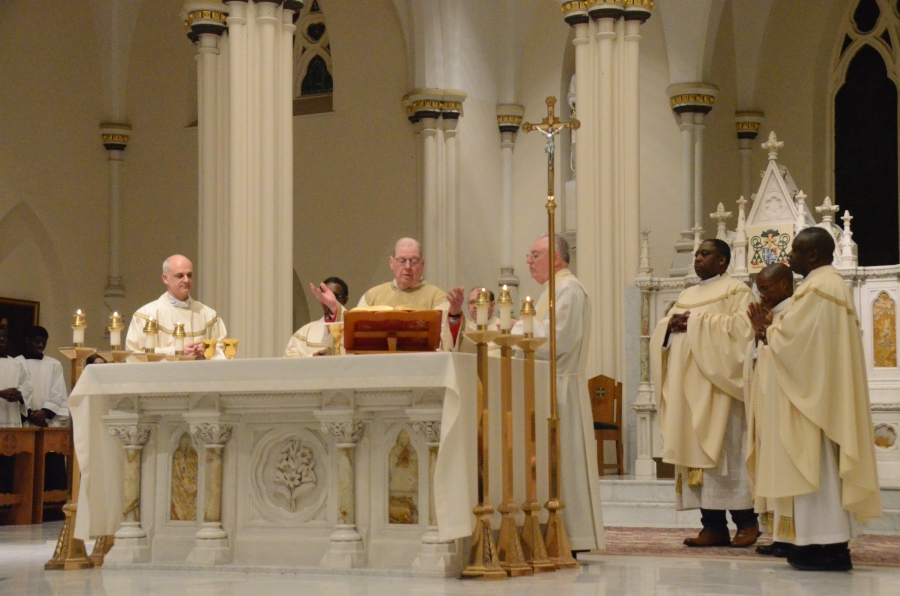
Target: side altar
(364,461)
(777,212)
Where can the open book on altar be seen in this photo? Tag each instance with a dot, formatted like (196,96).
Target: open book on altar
(407,328)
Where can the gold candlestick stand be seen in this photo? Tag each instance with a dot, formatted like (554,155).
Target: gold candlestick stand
(556,539)
(532,540)
(512,555)
(116,355)
(70,553)
(484,562)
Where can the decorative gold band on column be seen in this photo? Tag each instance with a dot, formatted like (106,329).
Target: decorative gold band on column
(747,124)
(692,97)
(200,21)
(114,136)
(434,103)
(606,10)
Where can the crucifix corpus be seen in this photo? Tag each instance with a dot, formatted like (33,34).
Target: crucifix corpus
(556,538)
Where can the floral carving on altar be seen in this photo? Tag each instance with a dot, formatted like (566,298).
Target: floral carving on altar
(295,474)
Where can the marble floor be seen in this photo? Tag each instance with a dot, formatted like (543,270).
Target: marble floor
(24,549)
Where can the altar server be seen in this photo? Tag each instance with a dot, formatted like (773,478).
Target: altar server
(409,288)
(579,480)
(15,385)
(697,355)
(310,339)
(817,457)
(176,306)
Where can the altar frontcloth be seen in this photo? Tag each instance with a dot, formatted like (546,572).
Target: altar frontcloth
(243,389)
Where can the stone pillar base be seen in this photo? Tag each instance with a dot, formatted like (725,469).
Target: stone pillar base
(129,550)
(645,468)
(438,556)
(346,551)
(210,551)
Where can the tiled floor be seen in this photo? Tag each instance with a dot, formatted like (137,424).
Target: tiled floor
(23,551)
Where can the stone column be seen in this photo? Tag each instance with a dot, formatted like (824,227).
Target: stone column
(434,555)
(347,549)
(690,102)
(131,540)
(644,407)
(206,27)
(747,125)
(509,119)
(115,138)
(211,546)
(424,111)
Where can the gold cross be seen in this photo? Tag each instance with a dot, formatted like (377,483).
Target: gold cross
(550,127)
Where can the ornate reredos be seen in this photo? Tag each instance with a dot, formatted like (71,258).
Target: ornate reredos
(776,203)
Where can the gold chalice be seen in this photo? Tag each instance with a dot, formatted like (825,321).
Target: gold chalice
(337,332)
(230,347)
(209,348)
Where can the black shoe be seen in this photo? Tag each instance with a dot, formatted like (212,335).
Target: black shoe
(821,557)
(776,549)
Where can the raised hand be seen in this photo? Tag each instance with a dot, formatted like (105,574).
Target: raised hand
(324,295)
(455,298)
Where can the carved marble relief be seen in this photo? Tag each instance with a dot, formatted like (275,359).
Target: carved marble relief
(289,477)
(403,471)
(884,331)
(885,436)
(184,481)
(295,473)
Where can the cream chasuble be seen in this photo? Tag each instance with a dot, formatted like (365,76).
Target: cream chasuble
(13,375)
(421,295)
(811,381)
(580,482)
(310,339)
(200,322)
(697,379)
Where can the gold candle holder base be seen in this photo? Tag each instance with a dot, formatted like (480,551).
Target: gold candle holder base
(484,562)
(149,357)
(180,357)
(509,546)
(533,540)
(101,547)
(115,355)
(556,539)
(70,553)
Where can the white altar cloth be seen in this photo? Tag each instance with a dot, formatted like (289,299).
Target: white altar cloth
(101,456)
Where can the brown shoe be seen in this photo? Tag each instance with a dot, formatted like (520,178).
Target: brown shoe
(746,537)
(707,538)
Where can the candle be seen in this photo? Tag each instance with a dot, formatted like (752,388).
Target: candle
(528,317)
(178,337)
(115,331)
(79,324)
(505,303)
(150,330)
(481,305)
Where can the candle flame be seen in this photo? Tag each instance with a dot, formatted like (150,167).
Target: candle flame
(505,288)
(78,312)
(115,314)
(527,298)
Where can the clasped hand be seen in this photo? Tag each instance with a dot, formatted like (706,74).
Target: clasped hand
(678,323)
(760,319)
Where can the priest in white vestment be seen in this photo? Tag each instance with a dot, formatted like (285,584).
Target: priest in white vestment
(176,306)
(313,339)
(816,460)
(409,288)
(579,478)
(697,357)
(466,345)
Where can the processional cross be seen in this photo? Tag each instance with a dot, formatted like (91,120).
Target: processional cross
(557,540)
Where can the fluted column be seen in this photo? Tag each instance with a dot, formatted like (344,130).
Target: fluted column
(690,102)
(211,544)
(509,120)
(434,554)
(747,125)
(451,109)
(115,138)
(346,549)
(131,540)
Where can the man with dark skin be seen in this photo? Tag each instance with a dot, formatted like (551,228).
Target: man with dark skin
(775,284)
(10,394)
(309,339)
(50,397)
(820,476)
(697,356)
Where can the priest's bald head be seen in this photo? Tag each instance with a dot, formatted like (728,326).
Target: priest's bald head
(178,276)
(775,284)
(712,258)
(812,248)
(407,263)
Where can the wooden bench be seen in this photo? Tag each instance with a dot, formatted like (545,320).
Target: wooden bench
(20,443)
(49,440)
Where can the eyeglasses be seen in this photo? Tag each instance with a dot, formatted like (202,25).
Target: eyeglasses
(414,262)
(533,255)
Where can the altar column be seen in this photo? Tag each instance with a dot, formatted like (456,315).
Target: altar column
(690,102)
(434,555)
(509,120)
(747,125)
(211,546)
(115,138)
(130,538)
(346,550)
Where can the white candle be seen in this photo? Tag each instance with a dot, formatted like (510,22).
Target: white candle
(115,337)
(481,306)
(527,319)
(505,303)
(115,330)
(179,344)
(150,342)
(78,327)
(78,335)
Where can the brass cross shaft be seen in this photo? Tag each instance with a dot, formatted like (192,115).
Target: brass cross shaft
(550,127)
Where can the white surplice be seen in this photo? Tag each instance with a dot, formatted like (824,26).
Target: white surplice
(13,375)
(48,388)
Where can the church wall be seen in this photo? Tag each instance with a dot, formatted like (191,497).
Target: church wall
(355,168)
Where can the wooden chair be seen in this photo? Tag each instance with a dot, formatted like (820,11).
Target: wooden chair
(606,405)
(49,440)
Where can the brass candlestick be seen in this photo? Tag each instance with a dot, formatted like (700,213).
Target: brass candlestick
(115,356)
(115,332)
(178,336)
(151,328)
(512,555)
(484,562)
(532,540)
(70,552)
(556,539)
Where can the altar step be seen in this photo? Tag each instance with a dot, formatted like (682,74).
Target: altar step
(632,502)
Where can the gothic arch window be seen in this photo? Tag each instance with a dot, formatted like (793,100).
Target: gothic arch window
(864,111)
(313,81)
